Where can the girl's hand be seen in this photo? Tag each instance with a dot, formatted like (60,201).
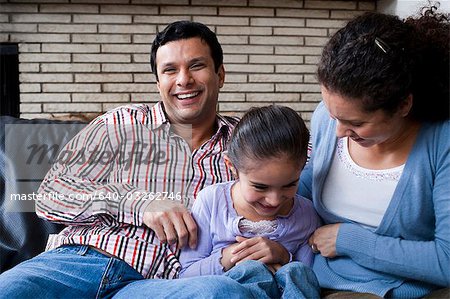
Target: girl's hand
(323,240)
(226,262)
(259,249)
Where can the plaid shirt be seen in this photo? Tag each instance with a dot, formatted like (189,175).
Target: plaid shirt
(107,175)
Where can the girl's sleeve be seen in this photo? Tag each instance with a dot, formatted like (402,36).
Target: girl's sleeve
(201,260)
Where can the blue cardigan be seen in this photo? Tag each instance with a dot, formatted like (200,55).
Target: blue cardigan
(409,252)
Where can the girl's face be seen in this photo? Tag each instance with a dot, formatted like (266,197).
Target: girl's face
(365,128)
(266,188)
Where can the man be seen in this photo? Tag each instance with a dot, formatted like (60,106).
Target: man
(116,183)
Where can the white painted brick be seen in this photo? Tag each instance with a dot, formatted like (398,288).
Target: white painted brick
(275,78)
(40,38)
(30,108)
(310,79)
(244,30)
(316,41)
(13,27)
(300,31)
(297,87)
(4,18)
(312,59)
(68,8)
(367,5)
(135,87)
(277,59)
(126,68)
(113,48)
(277,22)
(271,3)
(29,48)
(330,4)
(247,49)
(242,107)
(129,9)
(234,58)
(103,1)
(296,68)
(150,98)
(70,48)
(302,106)
(345,14)
(40,18)
(70,67)
(253,87)
(43,57)
(100,97)
(158,20)
(127,29)
(63,28)
(230,39)
(100,78)
(273,97)
(110,106)
(311,97)
(15,8)
(321,23)
(143,38)
(220,2)
(101,58)
(187,10)
(234,78)
(4,37)
(52,87)
(72,107)
(213,20)
(101,38)
(35,115)
(174,2)
(45,97)
(249,68)
(29,67)
(298,50)
(231,97)
(29,87)
(239,11)
(141,58)
(302,13)
(144,78)
(277,40)
(41,78)
(98,19)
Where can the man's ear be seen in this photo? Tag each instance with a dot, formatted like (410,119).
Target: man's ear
(230,165)
(221,74)
(406,105)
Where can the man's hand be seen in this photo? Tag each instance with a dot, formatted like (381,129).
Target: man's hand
(171,222)
(259,249)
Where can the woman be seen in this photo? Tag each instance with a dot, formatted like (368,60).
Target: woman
(379,173)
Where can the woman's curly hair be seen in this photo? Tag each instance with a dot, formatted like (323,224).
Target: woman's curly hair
(380,60)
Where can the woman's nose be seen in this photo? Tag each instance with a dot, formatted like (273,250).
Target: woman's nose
(342,130)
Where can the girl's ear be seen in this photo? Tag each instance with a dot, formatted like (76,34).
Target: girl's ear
(406,106)
(230,165)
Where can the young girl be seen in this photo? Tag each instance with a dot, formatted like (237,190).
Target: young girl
(258,216)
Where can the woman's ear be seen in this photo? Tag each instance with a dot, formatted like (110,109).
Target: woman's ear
(230,165)
(406,105)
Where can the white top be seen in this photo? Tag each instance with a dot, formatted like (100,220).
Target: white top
(356,193)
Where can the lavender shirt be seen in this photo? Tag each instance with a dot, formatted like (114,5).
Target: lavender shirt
(218,221)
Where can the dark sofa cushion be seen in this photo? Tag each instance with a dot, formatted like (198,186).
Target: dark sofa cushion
(27,150)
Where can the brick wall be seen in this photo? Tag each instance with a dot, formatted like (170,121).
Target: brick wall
(85,56)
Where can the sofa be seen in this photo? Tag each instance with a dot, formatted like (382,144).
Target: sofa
(27,149)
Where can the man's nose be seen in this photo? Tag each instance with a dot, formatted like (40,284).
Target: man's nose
(184,78)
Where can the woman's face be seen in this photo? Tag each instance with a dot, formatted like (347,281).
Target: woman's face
(365,128)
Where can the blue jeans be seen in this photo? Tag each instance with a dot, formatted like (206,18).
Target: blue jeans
(251,279)
(78,271)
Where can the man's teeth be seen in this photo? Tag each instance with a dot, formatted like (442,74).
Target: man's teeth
(187,95)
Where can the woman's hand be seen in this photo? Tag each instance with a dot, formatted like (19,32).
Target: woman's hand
(323,240)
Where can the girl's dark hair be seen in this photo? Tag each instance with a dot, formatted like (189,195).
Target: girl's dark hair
(268,132)
(184,30)
(380,60)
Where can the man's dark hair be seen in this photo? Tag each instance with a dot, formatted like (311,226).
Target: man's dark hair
(268,132)
(185,30)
